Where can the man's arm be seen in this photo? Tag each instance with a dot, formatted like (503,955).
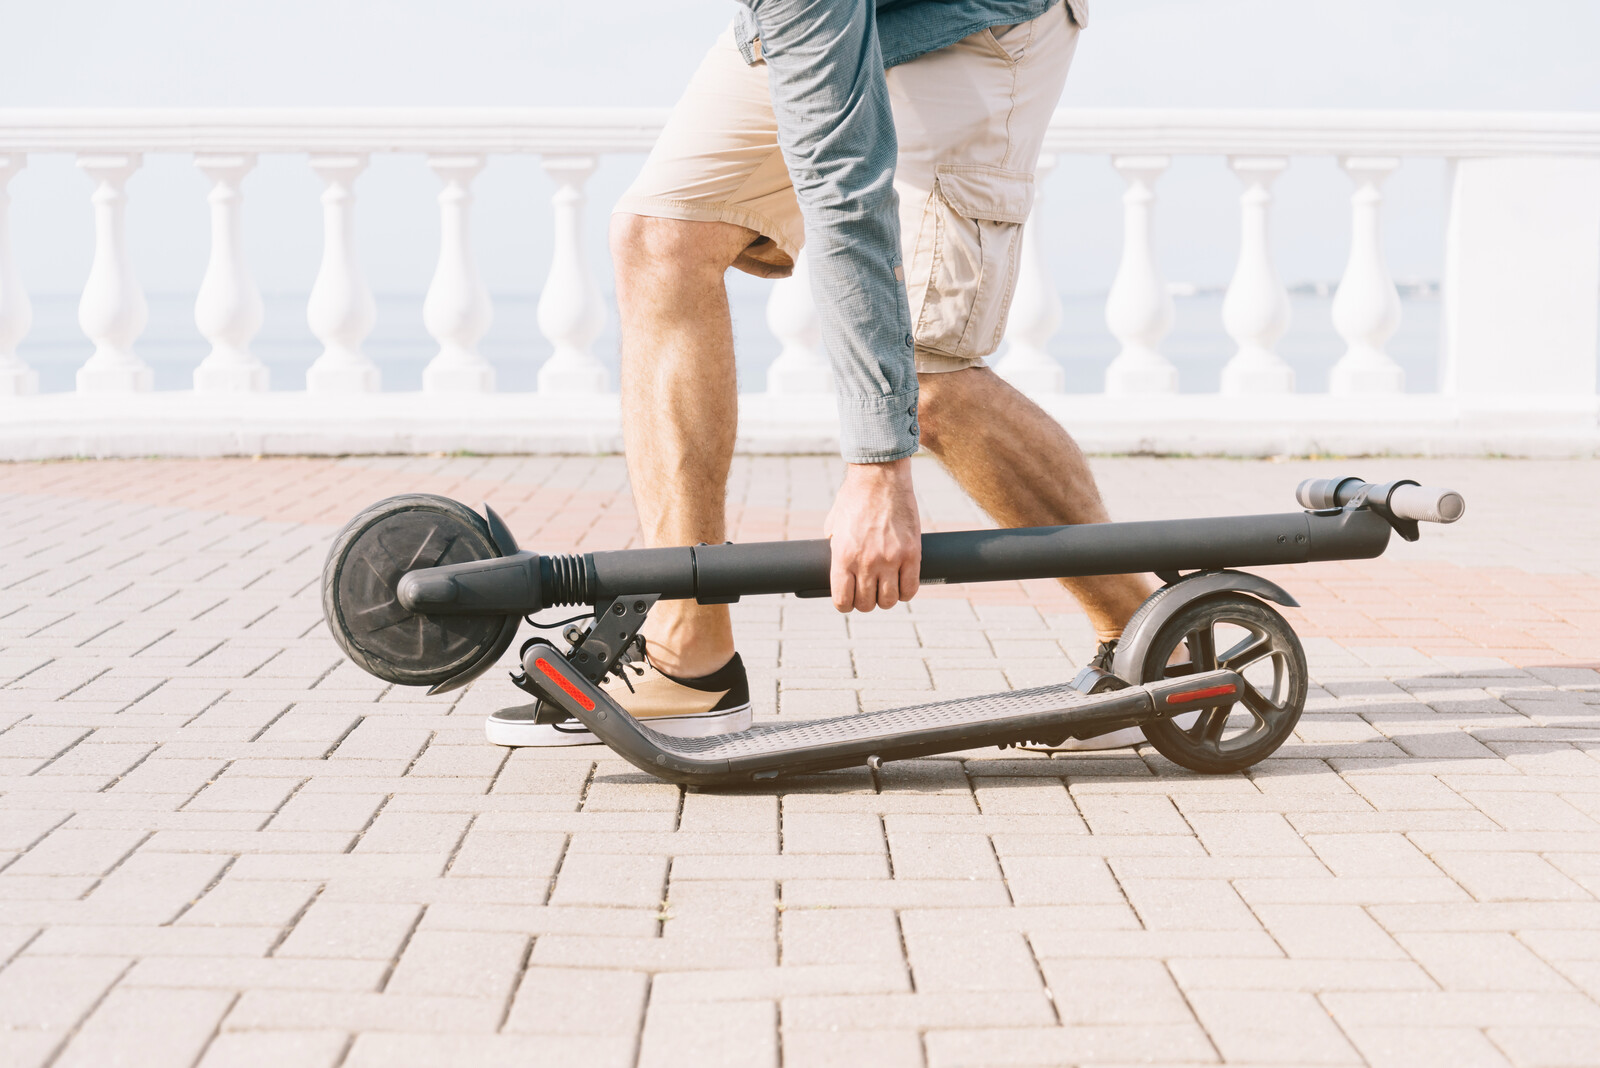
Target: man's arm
(836,131)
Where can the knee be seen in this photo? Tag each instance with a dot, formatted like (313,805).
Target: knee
(643,245)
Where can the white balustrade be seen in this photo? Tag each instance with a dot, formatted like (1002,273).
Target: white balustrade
(341,312)
(571,314)
(1139,310)
(800,366)
(1366,308)
(456,310)
(1255,311)
(228,309)
(16,313)
(1035,308)
(1520,292)
(112,310)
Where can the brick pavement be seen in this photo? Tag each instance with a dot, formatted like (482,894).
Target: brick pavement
(221,845)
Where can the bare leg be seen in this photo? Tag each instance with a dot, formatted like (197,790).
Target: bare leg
(1024,470)
(680,407)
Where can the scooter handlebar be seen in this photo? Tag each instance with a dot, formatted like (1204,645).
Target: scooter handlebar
(1427,504)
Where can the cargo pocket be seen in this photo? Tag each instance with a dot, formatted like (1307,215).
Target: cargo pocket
(964,269)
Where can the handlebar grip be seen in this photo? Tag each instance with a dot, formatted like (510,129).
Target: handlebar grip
(1318,493)
(1427,504)
(1421,503)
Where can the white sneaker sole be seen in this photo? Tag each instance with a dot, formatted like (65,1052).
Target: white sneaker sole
(702,725)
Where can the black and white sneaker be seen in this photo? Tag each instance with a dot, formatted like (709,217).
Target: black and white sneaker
(718,703)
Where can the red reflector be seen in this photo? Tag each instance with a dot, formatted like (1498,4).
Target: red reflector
(1195,695)
(561,680)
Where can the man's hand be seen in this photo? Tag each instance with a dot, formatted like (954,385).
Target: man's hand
(877,537)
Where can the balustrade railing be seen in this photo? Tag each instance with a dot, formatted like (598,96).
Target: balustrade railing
(1521,288)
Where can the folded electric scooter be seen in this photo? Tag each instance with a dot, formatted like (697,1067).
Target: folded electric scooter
(423,591)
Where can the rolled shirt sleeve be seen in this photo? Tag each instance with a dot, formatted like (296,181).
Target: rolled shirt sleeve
(836,131)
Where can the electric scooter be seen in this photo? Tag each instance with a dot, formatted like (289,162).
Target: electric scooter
(420,590)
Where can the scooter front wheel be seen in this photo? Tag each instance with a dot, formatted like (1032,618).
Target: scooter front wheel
(1240,633)
(364,613)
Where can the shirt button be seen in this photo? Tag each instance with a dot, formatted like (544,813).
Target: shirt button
(909,341)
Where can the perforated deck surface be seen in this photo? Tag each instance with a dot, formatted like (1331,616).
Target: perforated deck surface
(764,739)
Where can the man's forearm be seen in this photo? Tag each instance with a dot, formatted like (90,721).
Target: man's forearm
(836,130)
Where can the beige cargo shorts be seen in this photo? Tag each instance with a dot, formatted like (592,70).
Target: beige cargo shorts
(970,120)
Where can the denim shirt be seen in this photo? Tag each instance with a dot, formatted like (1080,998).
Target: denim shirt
(825,62)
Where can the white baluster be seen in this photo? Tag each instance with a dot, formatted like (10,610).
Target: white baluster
(800,366)
(457,311)
(1139,309)
(1366,308)
(112,310)
(1035,309)
(571,314)
(227,309)
(16,313)
(1256,310)
(341,311)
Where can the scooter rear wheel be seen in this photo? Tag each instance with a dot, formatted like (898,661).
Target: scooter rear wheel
(1260,645)
(365,615)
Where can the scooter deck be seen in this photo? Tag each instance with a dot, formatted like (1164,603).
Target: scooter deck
(1043,714)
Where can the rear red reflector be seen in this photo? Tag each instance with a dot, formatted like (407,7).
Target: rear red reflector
(1198,695)
(561,680)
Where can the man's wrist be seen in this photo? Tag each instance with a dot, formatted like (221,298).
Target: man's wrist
(882,471)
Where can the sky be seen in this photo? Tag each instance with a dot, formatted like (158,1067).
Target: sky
(1455,54)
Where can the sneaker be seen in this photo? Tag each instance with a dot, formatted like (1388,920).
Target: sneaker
(1125,738)
(718,703)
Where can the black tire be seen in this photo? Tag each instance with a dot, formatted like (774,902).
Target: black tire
(364,567)
(1263,648)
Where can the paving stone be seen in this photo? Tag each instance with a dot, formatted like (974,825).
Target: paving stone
(1426,1047)
(276,973)
(1544,1009)
(942,856)
(841,936)
(1264,1025)
(833,833)
(502,854)
(822,1049)
(1480,960)
(154,887)
(1189,905)
(652,954)
(1548,1045)
(74,852)
(293,1010)
(578,1001)
(1344,932)
(270,1049)
(335,930)
(743,1033)
(592,879)
(1060,881)
(1311,976)
(918,1011)
(1108,991)
(1121,814)
(414,832)
(53,994)
(1509,877)
(376,1050)
(147,1027)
